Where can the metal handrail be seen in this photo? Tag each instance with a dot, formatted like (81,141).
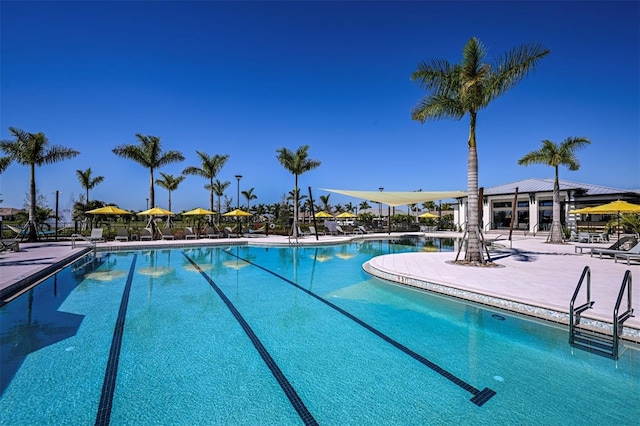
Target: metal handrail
(75,237)
(618,320)
(535,229)
(575,312)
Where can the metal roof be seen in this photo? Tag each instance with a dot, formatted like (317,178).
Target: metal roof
(546,185)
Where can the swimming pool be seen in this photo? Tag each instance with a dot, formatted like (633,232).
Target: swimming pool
(266,335)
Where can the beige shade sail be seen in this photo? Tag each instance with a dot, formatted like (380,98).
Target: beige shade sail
(428,215)
(108,210)
(237,212)
(156,211)
(346,215)
(198,212)
(399,198)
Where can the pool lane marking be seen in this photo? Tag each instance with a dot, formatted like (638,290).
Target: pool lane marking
(479,396)
(284,383)
(103,416)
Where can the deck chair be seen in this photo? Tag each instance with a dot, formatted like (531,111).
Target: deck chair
(9,246)
(146,234)
(341,231)
(166,234)
(634,250)
(364,230)
(212,232)
(312,231)
(230,232)
(96,235)
(20,232)
(301,233)
(122,235)
(257,232)
(189,234)
(632,254)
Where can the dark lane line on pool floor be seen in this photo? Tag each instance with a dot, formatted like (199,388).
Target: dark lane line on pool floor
(479,396)
(103,416)
(294,398)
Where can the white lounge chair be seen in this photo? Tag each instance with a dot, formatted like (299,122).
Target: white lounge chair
(96,235)
(342,231)
(189,234)
(146,234)
(166,234)
(122,235)
(312,231)
(635,250)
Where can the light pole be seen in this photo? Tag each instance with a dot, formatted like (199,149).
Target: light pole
(57,194)
(238,177)
(380,209)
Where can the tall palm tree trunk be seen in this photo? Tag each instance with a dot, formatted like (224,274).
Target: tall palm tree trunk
(33,232)
(474,249)
(555,235)
(152,194)
(295,209)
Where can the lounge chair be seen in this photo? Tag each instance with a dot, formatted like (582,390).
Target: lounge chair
(96,235)
(146,234)
(257,232)
(363,230)
(312,231)
(230,232)
(342,231)
(212,232)
(20,232)
(122,235)
(635,250)
(9,246)
(628,256)
(189,234)
(302,233)
(166,234)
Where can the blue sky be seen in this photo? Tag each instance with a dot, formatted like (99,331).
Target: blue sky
(247,78)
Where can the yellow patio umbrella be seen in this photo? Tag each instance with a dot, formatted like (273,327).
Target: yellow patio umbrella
(198,212)
(584,210)
(428,215)
(615,207)
(323,215)
(237,213)
(108,210)
(156,211)
(346,215)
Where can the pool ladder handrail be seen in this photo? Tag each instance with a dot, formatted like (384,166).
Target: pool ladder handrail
(574,313)
(618,320)
(75,237)
(591,341)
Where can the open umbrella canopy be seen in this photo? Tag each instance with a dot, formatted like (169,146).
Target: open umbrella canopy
(428,215)
(345,215)
(237,212)
(323,215)
(617,206)
(583,210)
(198,212)
(156,211)
(107,210)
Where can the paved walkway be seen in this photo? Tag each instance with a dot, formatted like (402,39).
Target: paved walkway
(534,278)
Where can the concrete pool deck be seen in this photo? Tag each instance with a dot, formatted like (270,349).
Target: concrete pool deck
(534,278)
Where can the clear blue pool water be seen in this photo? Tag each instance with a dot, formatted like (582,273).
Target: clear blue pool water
(279,336)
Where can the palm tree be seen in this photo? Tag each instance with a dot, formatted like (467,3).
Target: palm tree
(32,149)
(148,154)
(455,90)
(249,195)
(326,204)
(211,166)
(218,188)
(364,205)
(84,177)
(297,163)
(170,183)
(555,155)
(4,163)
